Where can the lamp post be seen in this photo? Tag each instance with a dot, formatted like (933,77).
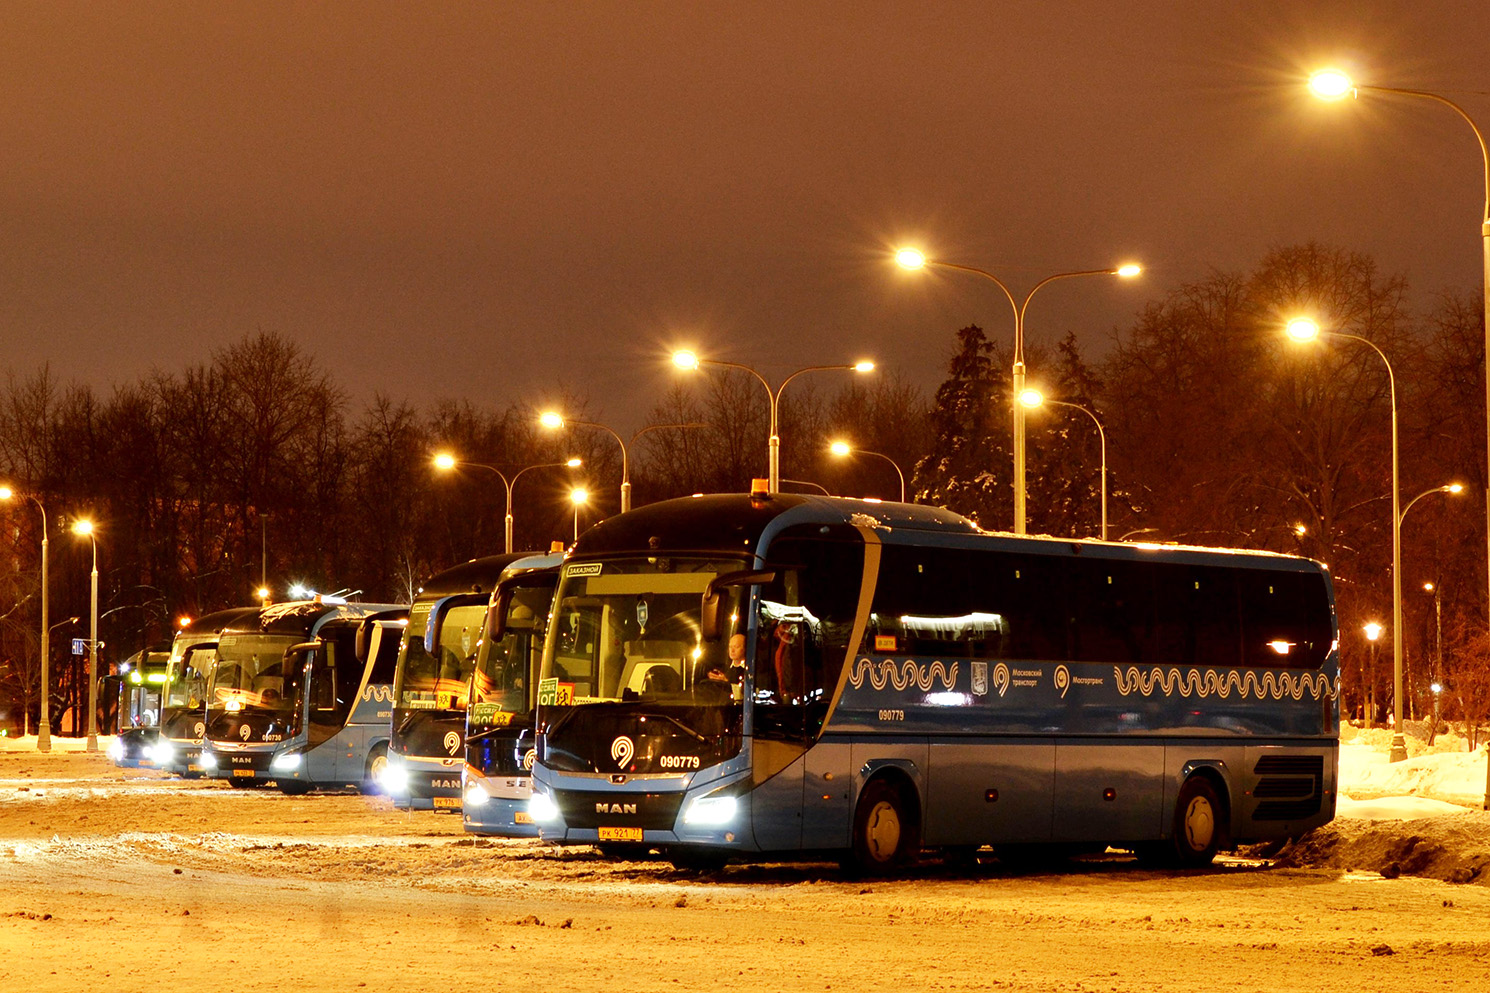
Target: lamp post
(553,420)
(44,724)
(691,361)
(85,528)
(445,462)
(1437,686)
(1031,399)
(1304,329)
(1453,489)
(843,449)
(1332,84)
(579,496)
(910,258)
(1373,632)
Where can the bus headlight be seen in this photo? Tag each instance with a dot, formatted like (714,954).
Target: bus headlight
(163,753)
(476,796)
(287,762)
(116,750)
(207,760)
(395,778)
(711,811)
(542,809)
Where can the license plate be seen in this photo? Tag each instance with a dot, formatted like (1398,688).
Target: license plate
(243,772)
(620,834)
(447,801)
(522,817)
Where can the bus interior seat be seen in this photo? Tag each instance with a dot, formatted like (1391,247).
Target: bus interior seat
(661,678)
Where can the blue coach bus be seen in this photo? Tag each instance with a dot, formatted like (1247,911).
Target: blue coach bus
(433,683)
(784,675)
(499,720)
(300,695)
(183,709)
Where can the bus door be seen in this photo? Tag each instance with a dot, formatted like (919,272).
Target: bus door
(329,703)
(804,617)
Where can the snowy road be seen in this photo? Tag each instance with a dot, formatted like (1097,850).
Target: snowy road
(109,882)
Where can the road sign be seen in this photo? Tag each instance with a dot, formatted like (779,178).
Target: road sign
(80,646)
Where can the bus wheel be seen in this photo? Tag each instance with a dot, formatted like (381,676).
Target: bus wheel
(294,787)
(885,833)
(377,764)
(1197,823)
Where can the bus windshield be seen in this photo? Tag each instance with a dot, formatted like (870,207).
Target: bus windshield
(503,683)
(440,681)
(625,647)
(186,679)
(252,672)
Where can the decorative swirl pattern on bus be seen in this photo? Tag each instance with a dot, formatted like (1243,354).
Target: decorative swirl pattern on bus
(1274,684)
(887,672)
(378,691)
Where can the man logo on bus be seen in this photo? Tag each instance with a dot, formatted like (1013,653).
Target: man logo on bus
(622,749)
(452,742)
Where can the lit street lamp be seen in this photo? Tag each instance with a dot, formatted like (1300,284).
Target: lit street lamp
(1304,329)
(445,462)
(553,420)
(691,361)
(1034,398)
(579,496)
(910,258)
(1373,632)
(44,724)
(843,448)
(85,527)
(1333,84)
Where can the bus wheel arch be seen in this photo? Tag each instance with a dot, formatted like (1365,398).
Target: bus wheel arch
(373,770)
(887,822)
(1202,818)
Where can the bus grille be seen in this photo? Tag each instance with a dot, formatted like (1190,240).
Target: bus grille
(653,811)
(1288,787)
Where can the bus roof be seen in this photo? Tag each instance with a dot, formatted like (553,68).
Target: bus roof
(211,624)
(734,523)
(476,576)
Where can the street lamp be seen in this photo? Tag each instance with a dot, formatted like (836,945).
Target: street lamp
(1373,632)
(843,449)
(579,496)
(85,528)
(44,725)
(445,462)
(1333,84)
(1305,329)
(910,258)
(553,420)
(688,360)
(1034,398)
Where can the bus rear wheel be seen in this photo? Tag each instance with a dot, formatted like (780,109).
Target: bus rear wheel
(377,765)
(1197,828)
(885,831)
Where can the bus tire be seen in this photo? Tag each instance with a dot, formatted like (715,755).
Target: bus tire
(1197,824)
(377,764)
(886,835)
(294,787)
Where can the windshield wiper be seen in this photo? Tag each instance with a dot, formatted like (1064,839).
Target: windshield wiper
(676,723)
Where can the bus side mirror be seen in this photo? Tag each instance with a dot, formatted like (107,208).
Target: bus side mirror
(496,614)
(711,610)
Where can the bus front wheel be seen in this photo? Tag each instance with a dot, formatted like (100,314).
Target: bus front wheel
(377,765)
(294,787)
(885,832)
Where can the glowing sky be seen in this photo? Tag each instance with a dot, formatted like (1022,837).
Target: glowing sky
(492,200)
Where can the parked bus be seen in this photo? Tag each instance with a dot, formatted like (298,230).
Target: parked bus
(301,695)
(183,715)
(738,676)
(499,720)
(432,684)
(137,688)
